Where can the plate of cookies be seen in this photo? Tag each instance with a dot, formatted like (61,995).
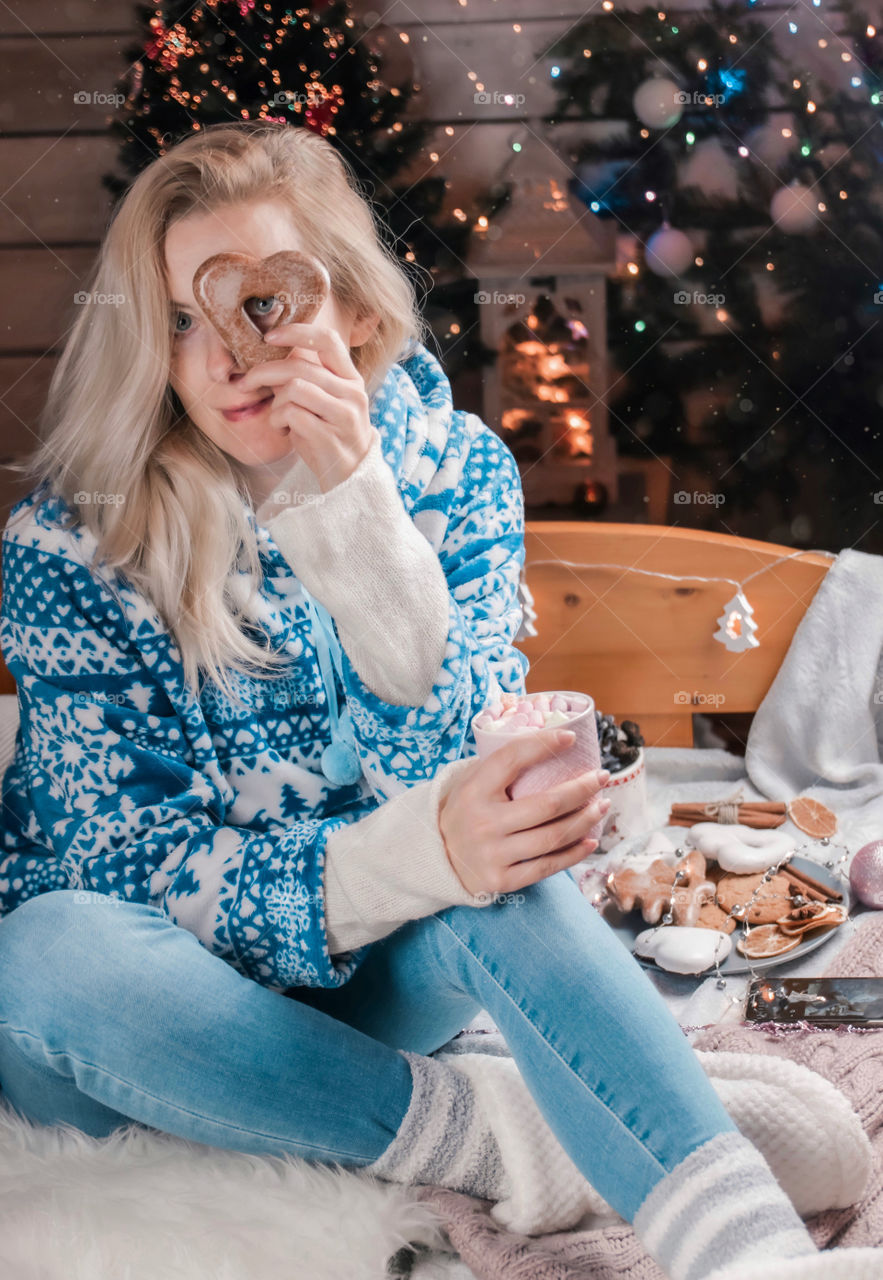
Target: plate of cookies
(694,915)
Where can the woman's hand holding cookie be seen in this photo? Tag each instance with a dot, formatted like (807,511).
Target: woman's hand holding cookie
(499,845)
(322,399)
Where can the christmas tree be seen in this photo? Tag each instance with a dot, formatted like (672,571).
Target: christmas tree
(316,67)
(747,194)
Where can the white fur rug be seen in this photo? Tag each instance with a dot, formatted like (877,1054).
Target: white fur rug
(141,1204)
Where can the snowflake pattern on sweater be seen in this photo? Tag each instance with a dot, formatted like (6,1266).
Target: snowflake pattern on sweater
(125,785)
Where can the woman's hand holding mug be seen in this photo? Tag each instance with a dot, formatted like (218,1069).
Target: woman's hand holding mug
(499,845)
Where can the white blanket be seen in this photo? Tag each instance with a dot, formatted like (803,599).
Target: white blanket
(819,730)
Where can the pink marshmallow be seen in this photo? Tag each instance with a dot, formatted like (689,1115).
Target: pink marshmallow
(511,713)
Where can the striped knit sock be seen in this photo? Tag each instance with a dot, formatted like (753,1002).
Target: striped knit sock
(719,1208)
(445,1139)
(473,1126)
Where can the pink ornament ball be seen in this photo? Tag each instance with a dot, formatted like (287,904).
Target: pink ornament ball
(866,874)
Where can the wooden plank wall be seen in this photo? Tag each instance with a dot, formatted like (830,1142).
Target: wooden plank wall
(53,149)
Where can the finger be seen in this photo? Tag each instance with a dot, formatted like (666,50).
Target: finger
(545,806)
(311,399)
(526,873)
(273,373)
(503,767)
(326,342)
(553,836)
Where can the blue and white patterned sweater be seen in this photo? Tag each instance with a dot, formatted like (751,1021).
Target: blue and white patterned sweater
(124,784)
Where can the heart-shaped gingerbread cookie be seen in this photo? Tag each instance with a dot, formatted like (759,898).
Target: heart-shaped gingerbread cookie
(223,284)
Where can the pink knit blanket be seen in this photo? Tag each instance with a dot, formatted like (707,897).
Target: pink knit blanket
(851,1061)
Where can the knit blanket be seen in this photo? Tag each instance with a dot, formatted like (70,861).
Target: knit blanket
(851,1060)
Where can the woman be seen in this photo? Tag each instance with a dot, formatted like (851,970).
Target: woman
(217,572)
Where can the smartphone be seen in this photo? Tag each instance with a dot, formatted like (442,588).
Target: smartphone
(823,1002)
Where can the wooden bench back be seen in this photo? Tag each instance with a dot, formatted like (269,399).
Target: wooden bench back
(642,646)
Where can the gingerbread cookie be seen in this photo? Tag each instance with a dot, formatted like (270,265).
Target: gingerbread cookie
(712,916)
(297,282)
(770,900)
(682,949)
(682,889)
(740,849)
(650,890)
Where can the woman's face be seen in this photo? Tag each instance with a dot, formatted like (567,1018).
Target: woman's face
(203,373)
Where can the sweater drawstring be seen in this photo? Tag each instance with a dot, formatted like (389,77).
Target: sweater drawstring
(340,761)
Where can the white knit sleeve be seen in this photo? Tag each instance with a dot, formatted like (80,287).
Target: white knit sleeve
(359,553)
(391,867)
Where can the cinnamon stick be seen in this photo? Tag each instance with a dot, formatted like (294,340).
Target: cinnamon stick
(763,814)
(799,887)
(808,880)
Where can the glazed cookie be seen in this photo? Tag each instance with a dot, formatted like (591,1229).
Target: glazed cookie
(772,899)
(649,890)
(297,283)
(682,949)
(655,889)
(740,849)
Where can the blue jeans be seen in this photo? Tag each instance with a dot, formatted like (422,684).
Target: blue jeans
(111,1014)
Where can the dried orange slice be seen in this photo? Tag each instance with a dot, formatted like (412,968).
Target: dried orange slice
(766,940)
(822,916)
(813,817)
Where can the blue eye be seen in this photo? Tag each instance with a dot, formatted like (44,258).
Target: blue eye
(181,315)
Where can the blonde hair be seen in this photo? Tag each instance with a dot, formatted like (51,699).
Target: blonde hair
(112,425)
